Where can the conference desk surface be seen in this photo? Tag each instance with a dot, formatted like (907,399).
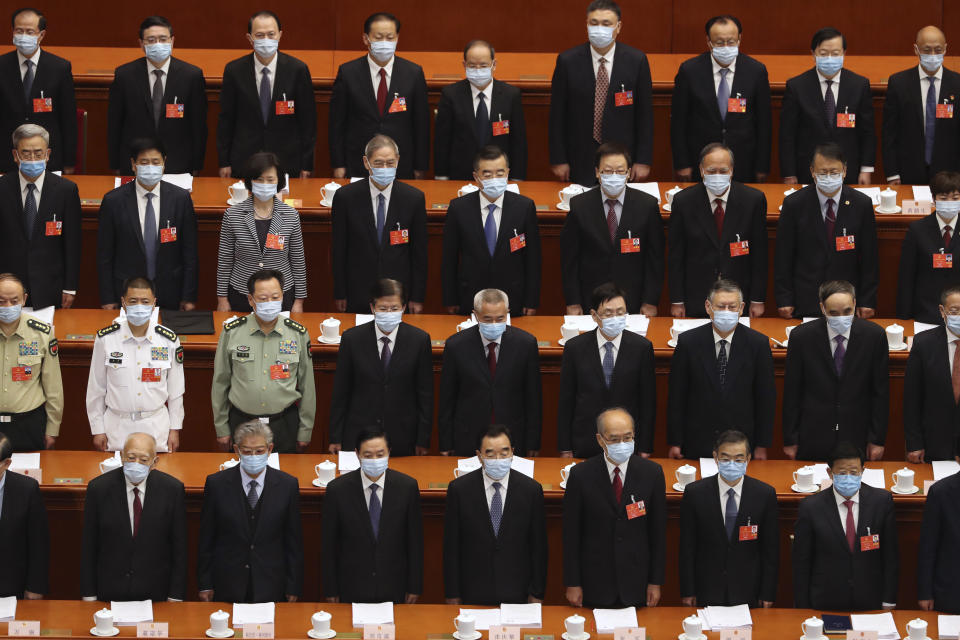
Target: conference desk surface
(72,619)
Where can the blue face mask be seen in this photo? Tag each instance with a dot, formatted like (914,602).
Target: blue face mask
(158,51)
(847,485)
(613,326)
(725,320)
(388,320)
(829,185)
(948,209)
(382,50)
(494,187)
(953,323)
(931,61)
(135,472)
(264,191)
(374,467)
(149,175)
(725,55)
(266,47)
(716,183)
(383,176)
(138,314)
(480,77)
(9,315)
(600,36)
(492,330)
(840,324)
(269,310)
(829,65)
(732,471)
(25,44)
(33,168)
(253,465)
(619,452)
(497,468)
(612,183)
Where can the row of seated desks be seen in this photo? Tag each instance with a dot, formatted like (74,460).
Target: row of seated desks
(66,619)
(65,504)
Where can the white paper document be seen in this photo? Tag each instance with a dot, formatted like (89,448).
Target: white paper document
(727,617)
(8,607)
(583,323)
(810,319)
(609,619)
(874,478)
(882,623)
(256,613)
(653,188)
(941,468)
(466,465)
(273,460)
(347,461)
(182,180)
(131,612)
(922,192)
(520,615)
(485,618)
(523,465)
(948,627)
(708,467)
(686,324)
(44,314)
(920,327)
(638,323)
(819,472)
(372,613)
(871,192)
(363,318)
(29,461)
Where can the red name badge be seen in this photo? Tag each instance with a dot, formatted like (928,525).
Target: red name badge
(501,127)
(943,261)
(736,105)
(54,228)
(629,245)
(285,107)
(869,543)
(623,98)
(749,532)
(42,105)
(276,242)
(279,371)
(518,242)
(741,248)
(174,110)
(168,235)
(846,120)
(399,104)
(126,179)
(636,509)
(22,374)
(846,243)
(400,236)
(149,374)
(944,110)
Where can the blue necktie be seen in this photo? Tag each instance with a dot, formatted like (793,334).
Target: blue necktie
(838,354)
(483,119)
(830,106)
(150,236)
(730,515)
(496,508)
(265,94)
(490,229)
(375,510)
(930,121)
(28,81)
(30,208)
(381,216)
(608,363)
(252,496)
(723,93)
(722,363)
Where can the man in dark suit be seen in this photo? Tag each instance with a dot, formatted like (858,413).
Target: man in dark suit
(379,93)
(148,227)
(722,96)
(158,96)
(920,134)
(379,228)
(718,229)
(372,545)
(251,544)
(845,542)
(604,368)
(490,375)
(939,548)
(266,104)
(384,377)
(24,533)
(614,523)
(601,92)
(491,241)
(931,387)
(476,112)
(510,535)
(825,232)
(612,234)
(135,530)
(40,223)
(37,88)
(729,556)
(827,104)
(729,369)
(836,386)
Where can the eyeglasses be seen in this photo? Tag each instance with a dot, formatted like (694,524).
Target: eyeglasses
(20,31)
(487,174)
(382,308)
(829,174)
(614,172)
(39,154)
(246,451)
(617,440)
(383,164)
(156,39)
(737,459)
(612,314)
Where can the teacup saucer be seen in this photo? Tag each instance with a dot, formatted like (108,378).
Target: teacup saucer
(325,340)
(111,633)
(567,636)
(672,343)
(902,347)
(324,203)
(894,210)
(684,636)
(822,637)
(901,492)
(460,636)
(231,202)
(562,206)
(316,482)
(321,636)
(678,487)
(667,207)
(796,487)
(563,484)
(227,633)
(908,638)
(562,341)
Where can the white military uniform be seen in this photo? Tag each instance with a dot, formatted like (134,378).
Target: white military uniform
(135,384)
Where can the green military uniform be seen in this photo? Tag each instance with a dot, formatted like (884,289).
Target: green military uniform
(265,376)
(31,389)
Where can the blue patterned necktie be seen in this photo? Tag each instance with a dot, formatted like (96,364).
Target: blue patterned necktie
(722,363)
(490,229)
(496,508)
(252,496)
(375,510)
(608,364)
(150,236)
(723,93)
(265,94)
(381,216)
(930,121)
(730,514)
(30,209)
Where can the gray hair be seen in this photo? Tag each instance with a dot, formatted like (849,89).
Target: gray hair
(612,410)
(29,130)
(252,429)
(378,142)
(490,296)
(715,146)
(724,285)
(139,435)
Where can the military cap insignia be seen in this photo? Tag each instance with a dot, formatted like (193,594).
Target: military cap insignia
(108,330)
(42,327)
(179,355)
(53,347)
(296,326)
(236,322)
(165,332)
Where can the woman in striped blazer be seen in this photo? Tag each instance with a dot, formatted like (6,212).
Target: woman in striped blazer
(261,233)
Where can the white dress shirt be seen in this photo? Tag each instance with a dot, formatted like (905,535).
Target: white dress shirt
(823,203)
(487,92)
(3,481)
(617,206)
(21,59)
(36,194)
(143,492)
(925,85)
(832,335)
(601,344)
(608,56)
(391,337)
(717,75)
(486,348)
(374,193)
(842,510)
(951,347)
(489,490)
(165,67)
(142,205)
(258,68)
(722,198)
(952,224)
(375,74)
(485,211)
(245,481)
(737,493)
(716,342)
(366,484)
(622,467)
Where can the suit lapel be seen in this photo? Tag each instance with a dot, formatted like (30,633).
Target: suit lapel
(705,84)
(144,85)
(731,216)
(832,513)
(707,351)
(250,83)
(371,342)
(814,215)
(166,209)
(826,346)
(854,346)
(736,355)
(705,217)
(508,224)
(596,361)
(363,511)
(133,217)
(15,197)
(505,353)
(391,219)
(118,495)
(597,217)
(465,103)
(603,482)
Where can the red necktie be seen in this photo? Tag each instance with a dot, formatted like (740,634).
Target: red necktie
(851,527)
(955,376)
(612,221)
(137,510)
(617,485)
(946,237)
(382,91)
(600,99)
(831,220)
(718,217)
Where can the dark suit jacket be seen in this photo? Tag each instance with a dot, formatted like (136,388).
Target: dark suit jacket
(482,568)
(53,78)
(571,109)
(356,566)
(24,536)
(698,256)
(919,284)
(695,116)
(455,141)
(468,267)
(470,400)
(826,574)
(46,264)
(588,259)
(805,258)
(719,571)
(930,414)
(939,547)
(747,402)
(803,124)
(120,252)
(354,118)
(130,115)
(117,566)
(904,139)
(584,394)
(240,128)
(614,558)
(359,260)
(399,401)
(821,408)
(233,549)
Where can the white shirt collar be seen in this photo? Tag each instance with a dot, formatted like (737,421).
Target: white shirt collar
(487,91)
(35,59)
(602,340)
(716,66)
(142,486)
(246,478)
(380,334)
(488,481)
(608,56)
(717,337)
(375,191)
(366,482)
(165,67)
(833,334)
(604,197)
(38,182)
(823,198)
(721,198)
(142,192)
(127,334)
(841,499)
(611,466)
(836,79)
(375,68)
(485,201)
(487,342)
(942,224)
(923,75)
(272,66)
(724,487)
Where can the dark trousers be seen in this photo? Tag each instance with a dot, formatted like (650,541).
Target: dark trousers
(25,430)
(238,301)
(284,426)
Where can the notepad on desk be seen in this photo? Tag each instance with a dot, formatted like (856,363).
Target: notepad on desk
(609,619)
(521,615)
(372,613)
(882,623)
(255,613)
(129,613)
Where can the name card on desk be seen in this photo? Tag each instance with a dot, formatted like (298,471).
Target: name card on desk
(504,632)
(23,628)
(630,633)
(257,631)
(917,207)
(153,630)
(379,632)
(862,635)
(736,634)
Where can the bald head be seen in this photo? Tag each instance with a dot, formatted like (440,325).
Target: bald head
(140,447)
(614,423)
(930,34)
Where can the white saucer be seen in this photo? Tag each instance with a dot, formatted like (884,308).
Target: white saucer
(328,340)
(316,482)
(905,493)
(562,341)
(459,636)
(321,636)
(678,487)
(796,487)
(112,633)
(784,343)
(684,636)
(563,207)
(567,636)
(231,202)
(563,484)
(667,207)
(221,634)
(908,638)
(328,205)
(894,210)
(820,638)
(672,343)
(902,347)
